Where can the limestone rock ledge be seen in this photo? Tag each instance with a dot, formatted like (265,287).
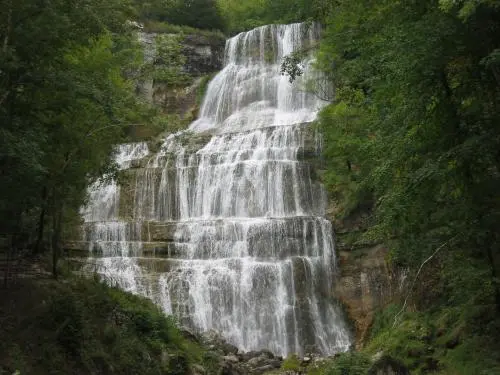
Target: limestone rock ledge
(365,284)
(203,56)
(366,281)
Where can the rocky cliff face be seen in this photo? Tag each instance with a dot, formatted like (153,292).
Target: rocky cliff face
(203,56)
(366,280)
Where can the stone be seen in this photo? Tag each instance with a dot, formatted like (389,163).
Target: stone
(267,353)
(276,363)
(262,369)
(215,341)
(256,361)
(231,369)
(134,24)
(198,370)
(229,349)
(161,232)
(263,360)
(231,358)
(203,55)
(245,357)
(366,283)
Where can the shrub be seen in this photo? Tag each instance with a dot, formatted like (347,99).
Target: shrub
(291,363)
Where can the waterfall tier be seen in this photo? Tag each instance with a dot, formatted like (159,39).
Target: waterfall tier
(224,226)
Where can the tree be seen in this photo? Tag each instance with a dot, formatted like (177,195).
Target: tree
(201,14)
(65,99)
(415,122)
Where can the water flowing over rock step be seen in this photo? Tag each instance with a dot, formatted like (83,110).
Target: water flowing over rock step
(164,265)
(237,190)
(243,160)
(304,128)
(294,140)
(215,250)
(244,156)
(285,299)
(277,238)
(240,228)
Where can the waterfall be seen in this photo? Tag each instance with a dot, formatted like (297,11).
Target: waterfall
(224,226)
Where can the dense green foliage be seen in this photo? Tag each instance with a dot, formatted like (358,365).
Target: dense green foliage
(241,15)
(201,14)
(414,126)
(87,327)
(66,96)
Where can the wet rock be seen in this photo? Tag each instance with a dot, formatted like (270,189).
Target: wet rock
(276,363)
(366,283)
(266,353)
(215,341)
(262,369)
(198,370)
(229,368)
(256,362)
(231,358)
(312,350)
(245,357)
(263,354)
(262,361)
(229,349)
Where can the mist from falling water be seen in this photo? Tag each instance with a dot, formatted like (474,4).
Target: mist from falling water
(252,255)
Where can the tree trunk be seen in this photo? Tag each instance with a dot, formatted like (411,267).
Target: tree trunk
(41,222)
(5,45)
(494,275)
(56,237)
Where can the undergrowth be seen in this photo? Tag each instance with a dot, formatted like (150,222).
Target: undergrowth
(85,326)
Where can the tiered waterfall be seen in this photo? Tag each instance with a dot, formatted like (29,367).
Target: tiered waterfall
(224,225)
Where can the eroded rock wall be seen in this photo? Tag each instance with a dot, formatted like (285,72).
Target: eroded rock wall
(203,56)
(366,281)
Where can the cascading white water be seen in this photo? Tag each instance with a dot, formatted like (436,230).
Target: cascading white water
(250,253)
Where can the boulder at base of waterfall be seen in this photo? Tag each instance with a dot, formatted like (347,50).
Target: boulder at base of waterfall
(263,369)
(214,340)
(231,358)
(245,357)
(262,363)
(229,368)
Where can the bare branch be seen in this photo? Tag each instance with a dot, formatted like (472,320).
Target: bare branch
(416,277)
